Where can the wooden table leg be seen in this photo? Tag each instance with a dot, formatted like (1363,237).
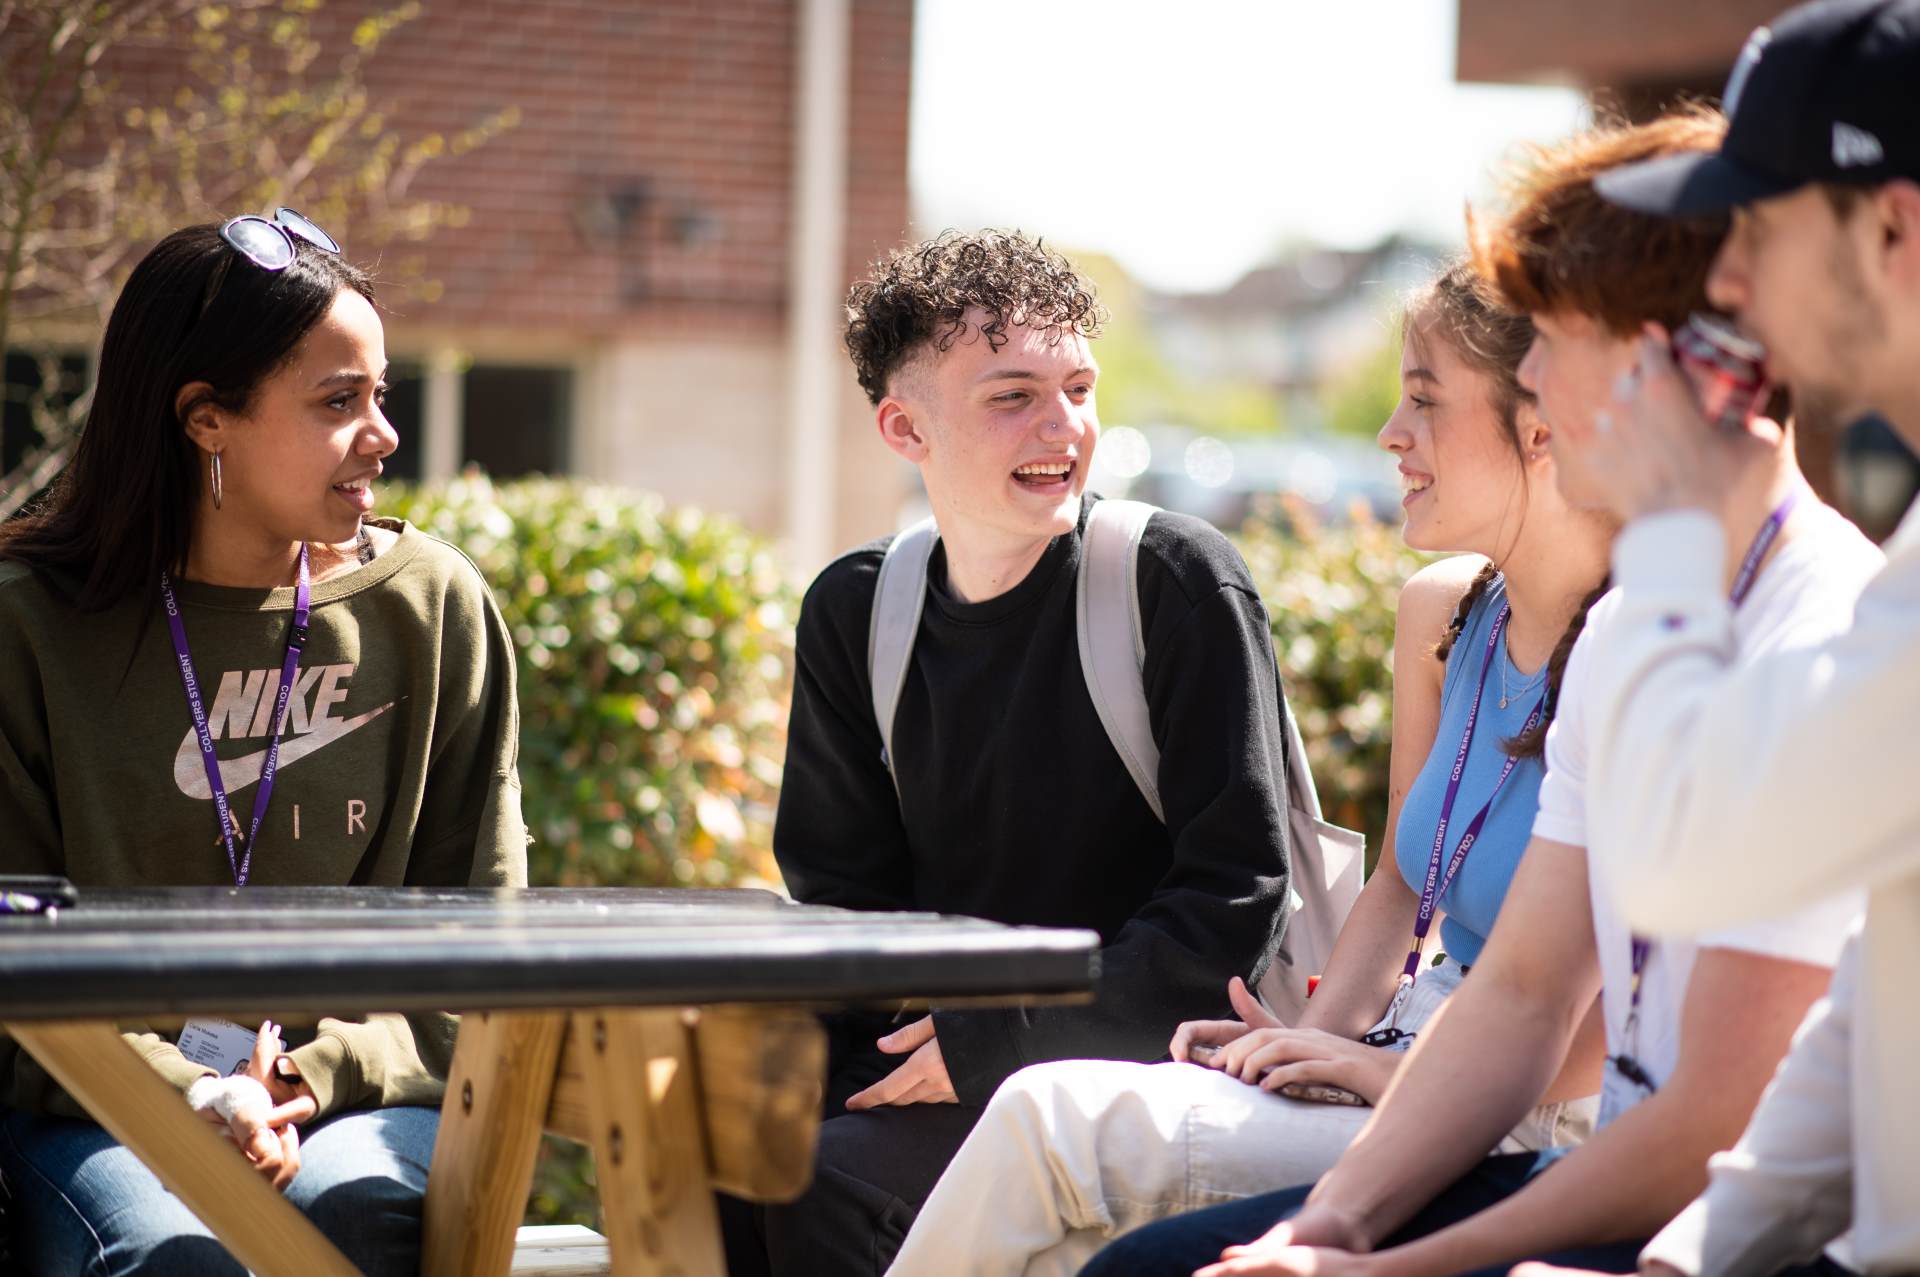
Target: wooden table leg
(259,1226)
(745,1121)
(497,1096)
(762,1071)
(650,1152)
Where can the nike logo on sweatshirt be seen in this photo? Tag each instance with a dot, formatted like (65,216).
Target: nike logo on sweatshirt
(243,708)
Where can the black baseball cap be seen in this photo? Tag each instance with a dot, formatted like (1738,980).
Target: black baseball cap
(1830,92)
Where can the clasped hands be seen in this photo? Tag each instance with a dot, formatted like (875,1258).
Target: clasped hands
(1261,1051)
(263,1121)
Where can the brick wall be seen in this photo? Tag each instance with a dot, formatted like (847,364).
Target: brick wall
(646,186)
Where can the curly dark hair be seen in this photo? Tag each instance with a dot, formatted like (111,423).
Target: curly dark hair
(921,294)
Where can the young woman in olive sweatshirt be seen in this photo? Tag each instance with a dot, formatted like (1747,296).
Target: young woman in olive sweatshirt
(207,553)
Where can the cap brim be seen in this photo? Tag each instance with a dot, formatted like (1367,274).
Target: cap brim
(1688,185)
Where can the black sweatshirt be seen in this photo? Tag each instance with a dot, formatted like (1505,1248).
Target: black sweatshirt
(1017,808)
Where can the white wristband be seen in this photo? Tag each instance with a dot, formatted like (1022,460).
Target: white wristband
(229,1097)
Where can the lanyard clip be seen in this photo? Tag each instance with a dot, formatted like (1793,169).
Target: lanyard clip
(1630,1069)
(1400,997)
(1391,1032)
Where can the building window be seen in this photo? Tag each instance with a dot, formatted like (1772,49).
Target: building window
(515,419)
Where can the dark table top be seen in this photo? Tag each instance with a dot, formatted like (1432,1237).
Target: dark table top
(291,951)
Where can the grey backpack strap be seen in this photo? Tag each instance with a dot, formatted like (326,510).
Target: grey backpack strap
(1301,794)
(1112,645)
(897,601)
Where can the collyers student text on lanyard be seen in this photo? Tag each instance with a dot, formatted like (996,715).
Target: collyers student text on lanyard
(1627,1062)
(1437,882)
(221,1044)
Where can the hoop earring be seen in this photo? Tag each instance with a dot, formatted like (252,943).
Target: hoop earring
(217,483)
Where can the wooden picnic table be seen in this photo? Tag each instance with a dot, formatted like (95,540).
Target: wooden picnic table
(672,1030)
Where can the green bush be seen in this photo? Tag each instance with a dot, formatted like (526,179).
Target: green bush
(654,649)
(1331,595)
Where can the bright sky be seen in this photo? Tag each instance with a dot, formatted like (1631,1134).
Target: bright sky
(1190,138)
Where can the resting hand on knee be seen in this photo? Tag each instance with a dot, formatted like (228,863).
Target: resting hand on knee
(921,1080)
(1290,1261)
(1317,1242)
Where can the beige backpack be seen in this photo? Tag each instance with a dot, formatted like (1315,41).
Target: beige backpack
(1326,860)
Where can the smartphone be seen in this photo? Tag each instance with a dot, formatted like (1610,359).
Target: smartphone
(1321,1093)
(35,893)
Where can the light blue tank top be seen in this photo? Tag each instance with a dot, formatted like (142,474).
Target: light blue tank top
(1473,901)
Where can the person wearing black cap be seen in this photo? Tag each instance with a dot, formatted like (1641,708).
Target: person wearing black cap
(1760,788)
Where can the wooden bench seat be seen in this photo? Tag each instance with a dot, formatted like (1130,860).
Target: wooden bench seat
(560,1250)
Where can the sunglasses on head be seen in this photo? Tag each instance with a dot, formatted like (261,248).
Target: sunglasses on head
(269,244)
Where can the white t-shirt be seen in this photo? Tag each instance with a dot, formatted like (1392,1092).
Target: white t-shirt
(1804,596)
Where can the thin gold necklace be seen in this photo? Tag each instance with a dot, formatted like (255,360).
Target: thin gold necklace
(1507,660)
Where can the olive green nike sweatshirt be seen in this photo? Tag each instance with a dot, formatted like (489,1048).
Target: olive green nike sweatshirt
(398,767)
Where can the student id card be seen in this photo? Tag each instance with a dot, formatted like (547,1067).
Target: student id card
(220,1045)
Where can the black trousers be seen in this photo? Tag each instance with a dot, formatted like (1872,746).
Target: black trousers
(873,1172)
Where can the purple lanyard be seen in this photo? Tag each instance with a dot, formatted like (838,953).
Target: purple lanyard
(1742,586)
(289,669)
(1437,883)
(1762,542)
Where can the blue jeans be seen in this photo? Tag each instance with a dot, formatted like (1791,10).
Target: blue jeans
(83,1206)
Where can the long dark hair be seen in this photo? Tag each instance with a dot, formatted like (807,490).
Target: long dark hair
(192,310)
(1464,311)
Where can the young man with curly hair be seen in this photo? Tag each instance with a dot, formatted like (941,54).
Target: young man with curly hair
(1003,797)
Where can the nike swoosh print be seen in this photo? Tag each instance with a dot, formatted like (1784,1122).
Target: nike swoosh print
(190,773)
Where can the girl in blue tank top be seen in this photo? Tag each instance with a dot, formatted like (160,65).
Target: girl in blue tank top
(1478,642)
(1511,698)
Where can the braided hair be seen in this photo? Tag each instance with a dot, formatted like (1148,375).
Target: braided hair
(1464,609)
(1533,743)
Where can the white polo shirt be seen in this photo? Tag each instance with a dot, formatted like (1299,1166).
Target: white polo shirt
(1804,596)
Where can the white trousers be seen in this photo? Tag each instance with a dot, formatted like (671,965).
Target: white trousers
(1069,1155)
